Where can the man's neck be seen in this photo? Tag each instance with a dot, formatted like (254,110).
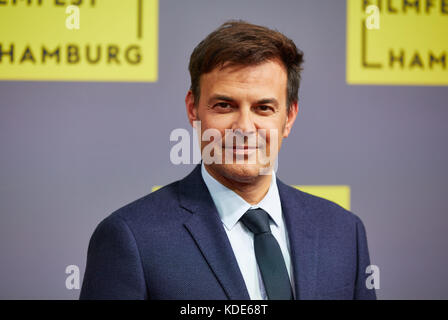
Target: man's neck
(252,192)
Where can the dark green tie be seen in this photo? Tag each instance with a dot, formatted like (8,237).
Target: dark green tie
(269,256)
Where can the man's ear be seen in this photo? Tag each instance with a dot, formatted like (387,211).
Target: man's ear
(291,117)
(192,111)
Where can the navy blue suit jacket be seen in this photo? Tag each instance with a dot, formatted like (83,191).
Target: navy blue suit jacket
(171,244)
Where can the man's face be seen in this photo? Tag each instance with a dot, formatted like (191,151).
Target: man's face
(250,103)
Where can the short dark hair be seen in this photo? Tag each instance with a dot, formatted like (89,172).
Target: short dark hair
(241,43)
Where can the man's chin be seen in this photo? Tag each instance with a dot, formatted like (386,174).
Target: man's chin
(243,173)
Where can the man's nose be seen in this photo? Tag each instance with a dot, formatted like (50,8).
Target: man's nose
(244,122)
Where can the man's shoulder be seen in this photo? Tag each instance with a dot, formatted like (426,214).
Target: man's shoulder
(320,211)
(158,208)
(150,209)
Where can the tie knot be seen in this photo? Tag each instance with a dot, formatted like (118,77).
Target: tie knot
(256,220)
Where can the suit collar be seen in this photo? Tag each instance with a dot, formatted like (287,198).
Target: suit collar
(231,207)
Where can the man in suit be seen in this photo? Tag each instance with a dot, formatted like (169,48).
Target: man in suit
(231,229)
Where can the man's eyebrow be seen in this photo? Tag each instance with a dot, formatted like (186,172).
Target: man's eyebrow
(221,97)
(268,101)
(229,99)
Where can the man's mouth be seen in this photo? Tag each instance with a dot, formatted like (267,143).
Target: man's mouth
(242,150)
(242,147)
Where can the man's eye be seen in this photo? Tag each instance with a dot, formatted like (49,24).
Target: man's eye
(265,109)
(223,105)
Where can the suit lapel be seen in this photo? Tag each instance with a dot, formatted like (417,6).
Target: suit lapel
(303,240)
(207,230)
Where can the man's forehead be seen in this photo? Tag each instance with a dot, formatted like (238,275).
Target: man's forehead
(270,74)
(238,68)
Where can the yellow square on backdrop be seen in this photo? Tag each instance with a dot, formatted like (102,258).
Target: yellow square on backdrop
(96,40)
(397,42)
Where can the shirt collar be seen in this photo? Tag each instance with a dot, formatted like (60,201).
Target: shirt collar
(231,206)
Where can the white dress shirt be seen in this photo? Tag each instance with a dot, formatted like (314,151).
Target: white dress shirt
(231,207)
